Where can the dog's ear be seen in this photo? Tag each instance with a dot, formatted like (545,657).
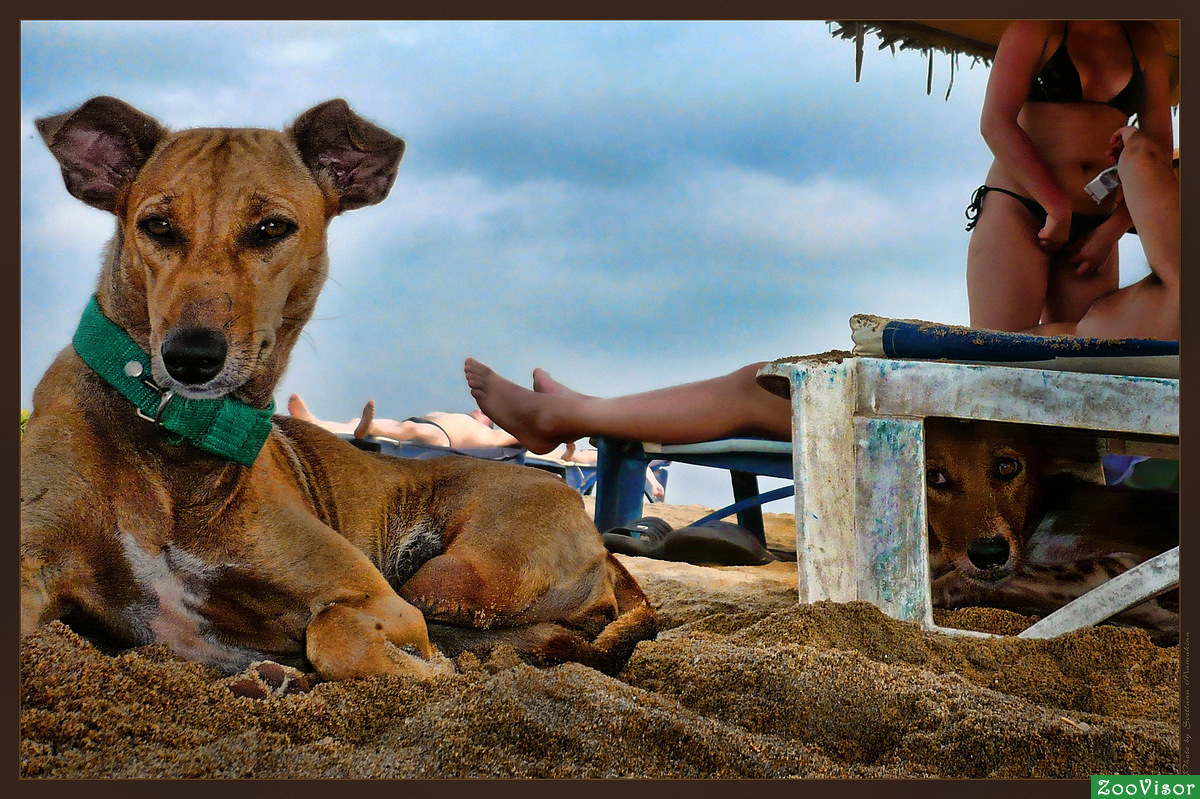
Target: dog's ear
(100,146)
(348,154)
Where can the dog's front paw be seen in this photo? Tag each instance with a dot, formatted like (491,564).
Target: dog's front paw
(266,679)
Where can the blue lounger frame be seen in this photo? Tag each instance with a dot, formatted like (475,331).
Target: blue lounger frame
(408,449)
(621,469)
(582,478)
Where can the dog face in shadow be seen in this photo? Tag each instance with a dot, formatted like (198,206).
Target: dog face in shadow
(984,482)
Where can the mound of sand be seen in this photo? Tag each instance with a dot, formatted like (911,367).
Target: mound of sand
(742,682)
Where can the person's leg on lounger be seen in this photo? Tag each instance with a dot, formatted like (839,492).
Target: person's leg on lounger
(550,414)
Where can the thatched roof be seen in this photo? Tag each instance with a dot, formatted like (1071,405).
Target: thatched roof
(974,38)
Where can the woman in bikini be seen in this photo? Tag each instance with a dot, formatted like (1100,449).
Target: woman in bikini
(1041,250)
(471,430)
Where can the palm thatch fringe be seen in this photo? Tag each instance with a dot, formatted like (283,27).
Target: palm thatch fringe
(909,35)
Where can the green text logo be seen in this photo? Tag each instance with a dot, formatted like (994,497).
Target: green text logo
(1144,785)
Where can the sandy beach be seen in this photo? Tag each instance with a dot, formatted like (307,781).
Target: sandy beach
(742,682)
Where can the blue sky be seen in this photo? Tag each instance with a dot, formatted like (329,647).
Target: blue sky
(624,204)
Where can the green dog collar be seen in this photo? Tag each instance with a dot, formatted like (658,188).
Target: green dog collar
(227,427)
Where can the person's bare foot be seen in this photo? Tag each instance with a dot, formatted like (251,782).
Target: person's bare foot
(297,408)
(527,415)
(543,383)
(656,487)
(364,423)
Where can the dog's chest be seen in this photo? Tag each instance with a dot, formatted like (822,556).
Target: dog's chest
(175,588)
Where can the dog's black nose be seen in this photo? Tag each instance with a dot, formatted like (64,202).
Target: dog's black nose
(987,553)
(194,355)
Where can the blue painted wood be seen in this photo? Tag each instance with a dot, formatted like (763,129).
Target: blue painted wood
(619,494)
(620,480)
(756,501)
(892,542)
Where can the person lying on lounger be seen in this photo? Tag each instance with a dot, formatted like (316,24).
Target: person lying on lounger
(437,428)
(472,430)
(735,405)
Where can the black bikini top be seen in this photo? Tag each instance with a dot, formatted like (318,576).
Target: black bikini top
(1058,82)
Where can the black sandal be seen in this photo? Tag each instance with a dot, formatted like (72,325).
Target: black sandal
(643,537)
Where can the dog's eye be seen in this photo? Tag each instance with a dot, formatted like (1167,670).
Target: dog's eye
(1007,468)
(270,231)
(158,228)
(935,478)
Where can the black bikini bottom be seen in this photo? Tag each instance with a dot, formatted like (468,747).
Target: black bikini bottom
(423,420)
(1081,224)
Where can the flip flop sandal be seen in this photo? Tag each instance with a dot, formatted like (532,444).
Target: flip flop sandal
(716,542)
(643,537)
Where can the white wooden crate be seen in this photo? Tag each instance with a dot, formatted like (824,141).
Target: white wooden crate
(858,449)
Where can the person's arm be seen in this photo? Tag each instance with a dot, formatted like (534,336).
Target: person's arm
(1018,57)
(1091,252)
(1154,117)
(1154,120)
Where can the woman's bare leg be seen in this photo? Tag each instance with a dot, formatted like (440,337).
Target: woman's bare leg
(1152,196)
(656,488)
(1150,307)
(409,431)
(363,428)
(1007,273)
(733,404)
(1069,295)
(298,409)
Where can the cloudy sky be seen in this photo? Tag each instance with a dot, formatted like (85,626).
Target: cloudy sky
(624,204)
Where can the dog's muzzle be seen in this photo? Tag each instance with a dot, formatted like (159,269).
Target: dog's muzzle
(195,355)
(989,555)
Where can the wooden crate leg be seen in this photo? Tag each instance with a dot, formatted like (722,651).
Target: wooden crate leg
(823,460)
(893,548)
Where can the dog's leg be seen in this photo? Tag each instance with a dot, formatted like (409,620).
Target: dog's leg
(462,589)
(360,626)
(596,619)
(371,636)
(37,602)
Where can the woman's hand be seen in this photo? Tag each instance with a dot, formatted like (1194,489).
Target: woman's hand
(1056,232)
(1118,142)
(1092,252)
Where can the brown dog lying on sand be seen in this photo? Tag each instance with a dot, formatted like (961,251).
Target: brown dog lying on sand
(1010,526)
(161,501)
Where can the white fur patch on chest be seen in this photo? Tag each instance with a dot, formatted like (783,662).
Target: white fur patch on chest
(176,586)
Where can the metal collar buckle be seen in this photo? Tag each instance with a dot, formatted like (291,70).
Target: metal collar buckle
(135,370)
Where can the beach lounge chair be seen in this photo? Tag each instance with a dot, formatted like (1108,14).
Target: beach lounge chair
(621,467)
(409,449)
(583,477)
(858,445)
